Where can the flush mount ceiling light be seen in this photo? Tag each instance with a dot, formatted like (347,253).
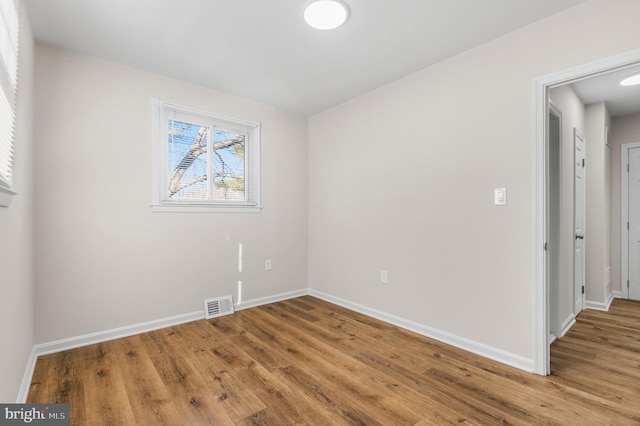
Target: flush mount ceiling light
(631,81)
(326,14)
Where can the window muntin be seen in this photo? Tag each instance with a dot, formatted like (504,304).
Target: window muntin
(206,161)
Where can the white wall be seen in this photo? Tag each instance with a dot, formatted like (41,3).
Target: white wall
(624,130)
(399,179)
(16,237)
(598,205)
(103,260)
(402,179)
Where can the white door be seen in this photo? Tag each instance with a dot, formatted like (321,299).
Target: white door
(579,220)
(634,223)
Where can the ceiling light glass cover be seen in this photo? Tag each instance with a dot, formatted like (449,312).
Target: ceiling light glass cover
(631,81)
(326,14)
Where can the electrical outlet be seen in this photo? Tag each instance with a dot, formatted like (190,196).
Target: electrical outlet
(267,265)
(384,277)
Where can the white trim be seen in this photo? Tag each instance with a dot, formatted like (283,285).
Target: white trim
(130,330)
(26,378)
(553,239)
(624,216)
(93,338)
(468,345)
(600,306)
(203,208)
(143,327)
(206,115)
(114,333)
(541,86)
(566,326)
(272,299)
(541,358)
(158,153)
(617,294)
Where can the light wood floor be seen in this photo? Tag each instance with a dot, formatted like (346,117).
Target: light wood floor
(305,361)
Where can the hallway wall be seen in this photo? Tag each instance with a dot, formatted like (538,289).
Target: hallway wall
(624,130)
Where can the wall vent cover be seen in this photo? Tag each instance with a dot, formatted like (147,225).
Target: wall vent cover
(218,306)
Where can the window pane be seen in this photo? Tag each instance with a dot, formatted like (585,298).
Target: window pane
(228,165)
(187,161)
(204,161)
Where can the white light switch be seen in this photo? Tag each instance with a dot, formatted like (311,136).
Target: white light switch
(500,196)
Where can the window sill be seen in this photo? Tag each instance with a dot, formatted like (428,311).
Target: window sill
(203,208)
(6,195)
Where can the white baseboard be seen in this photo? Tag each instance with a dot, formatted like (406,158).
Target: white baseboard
(481,349)
(115,333)
(130,330)
(468,345)
(599,306)
(97,337)
(567,324)
(271,299)
(617,294)
(26,379)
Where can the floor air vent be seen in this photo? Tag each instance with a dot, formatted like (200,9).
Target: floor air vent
(218,307)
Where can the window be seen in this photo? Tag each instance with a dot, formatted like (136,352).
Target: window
(204,161)
(9,31)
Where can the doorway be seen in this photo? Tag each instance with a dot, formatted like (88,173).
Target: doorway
(543,304)
(630,209)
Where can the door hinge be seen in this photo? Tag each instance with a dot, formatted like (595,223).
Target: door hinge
(583,162)
(627,168)
(627,226)
(627,284)
(582,289)
(546,246)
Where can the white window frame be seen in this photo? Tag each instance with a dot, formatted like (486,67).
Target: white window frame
(9,54)
(160,110)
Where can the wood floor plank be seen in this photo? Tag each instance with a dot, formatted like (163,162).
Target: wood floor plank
(306,361)
(65,384)
(301,347)
(282,402)
(222,384)
(44,379)
(151,402)
(187,389)
(102,376)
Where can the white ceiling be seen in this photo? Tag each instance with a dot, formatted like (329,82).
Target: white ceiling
(621,100)
(263,50)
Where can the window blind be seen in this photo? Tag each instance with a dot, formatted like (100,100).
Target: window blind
(9,43)
(205,159)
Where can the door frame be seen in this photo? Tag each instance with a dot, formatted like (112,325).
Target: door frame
(576,310)
(624,213)
(554,155)
(541,86)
